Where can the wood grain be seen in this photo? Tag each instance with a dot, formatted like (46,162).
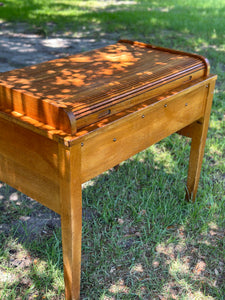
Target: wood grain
(71,217)
(29,163)
(73,92)
(198,135)
(110,145)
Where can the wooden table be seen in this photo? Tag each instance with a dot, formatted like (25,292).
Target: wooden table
(66,121)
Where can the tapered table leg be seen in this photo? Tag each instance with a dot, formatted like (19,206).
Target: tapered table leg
(71,218)
(198,133)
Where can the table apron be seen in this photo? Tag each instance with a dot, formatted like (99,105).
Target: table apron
(140,130)
(29,163)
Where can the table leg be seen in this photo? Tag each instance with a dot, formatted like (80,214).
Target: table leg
(71,218)
(198,133)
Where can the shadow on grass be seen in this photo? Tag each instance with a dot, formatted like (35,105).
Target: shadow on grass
(141,240)
(30,248)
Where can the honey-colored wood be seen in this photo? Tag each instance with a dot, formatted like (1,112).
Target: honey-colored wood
(71,217)
(112,144)
(198,134)
(174,51)
(66,121)
(73,92)
(29,163)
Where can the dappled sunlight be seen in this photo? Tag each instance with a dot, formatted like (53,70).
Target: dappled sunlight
(24,226)
(184,268)
(137,268)
(213,226)
(6,277)
(187,264)
(178,267)
(172,291)
(55,43)
(161,9)
(198,296)
(216,124)
(203,46)
(180,259)
(119,287)
(104,297)
(164,157)
(215,149)
(76,91)
(19,262)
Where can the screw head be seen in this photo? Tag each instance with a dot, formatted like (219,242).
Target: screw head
(165,105)
(114,140)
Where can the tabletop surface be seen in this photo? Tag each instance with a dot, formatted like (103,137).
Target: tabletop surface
(91,81)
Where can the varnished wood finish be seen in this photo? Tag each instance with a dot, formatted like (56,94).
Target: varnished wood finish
(65,121)
(174,51)
(198,135)
(73,92)
(112,144)
(29,163)
(71,217)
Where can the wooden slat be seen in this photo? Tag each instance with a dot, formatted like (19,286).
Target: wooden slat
(119,104)
(85,87)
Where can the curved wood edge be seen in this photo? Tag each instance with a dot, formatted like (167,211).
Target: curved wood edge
(66,121)
(57,116)
(41,110)
(202,58)
(58,120)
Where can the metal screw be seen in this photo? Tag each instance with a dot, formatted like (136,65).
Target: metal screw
(186,104)
(143,116)
(165,105)
(82,144)
(114,140)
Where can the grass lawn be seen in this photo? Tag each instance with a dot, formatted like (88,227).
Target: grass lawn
(141,240)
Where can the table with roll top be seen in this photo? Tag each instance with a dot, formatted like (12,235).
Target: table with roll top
(65,121)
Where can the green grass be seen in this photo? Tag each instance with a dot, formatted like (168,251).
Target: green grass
(141,240)
(200,22)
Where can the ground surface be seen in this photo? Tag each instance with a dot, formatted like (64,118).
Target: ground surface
(21,46)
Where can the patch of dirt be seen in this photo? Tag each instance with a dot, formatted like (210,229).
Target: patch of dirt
(21,45)
(29,228)
(28,219)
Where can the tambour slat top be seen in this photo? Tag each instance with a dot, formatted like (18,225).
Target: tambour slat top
(86,83)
